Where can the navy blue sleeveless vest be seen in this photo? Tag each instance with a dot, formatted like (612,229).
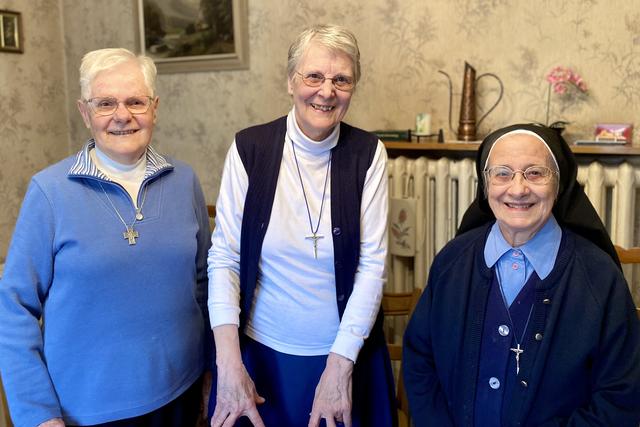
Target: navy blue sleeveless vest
(260,149)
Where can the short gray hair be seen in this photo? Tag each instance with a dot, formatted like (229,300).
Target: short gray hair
(104,59)
(334,37)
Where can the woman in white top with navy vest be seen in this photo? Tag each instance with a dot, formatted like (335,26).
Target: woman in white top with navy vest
(297,262)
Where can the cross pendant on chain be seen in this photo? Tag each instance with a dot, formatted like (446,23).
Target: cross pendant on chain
(130,235)
(518,351)
(315,237)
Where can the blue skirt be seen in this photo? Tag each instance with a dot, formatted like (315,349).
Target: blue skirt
(288,384)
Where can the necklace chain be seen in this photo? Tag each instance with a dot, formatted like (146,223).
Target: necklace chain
(314,232)
(518,350)
(130,234)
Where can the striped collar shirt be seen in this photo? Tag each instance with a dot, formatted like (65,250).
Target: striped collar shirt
(84,166)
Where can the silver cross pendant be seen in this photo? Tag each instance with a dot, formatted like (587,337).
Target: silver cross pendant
(315,237)
(130,235)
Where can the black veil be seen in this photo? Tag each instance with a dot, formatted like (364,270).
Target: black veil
(572,208)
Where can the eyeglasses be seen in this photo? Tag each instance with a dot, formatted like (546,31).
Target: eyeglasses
(340,82)
(107,106)
(502,175)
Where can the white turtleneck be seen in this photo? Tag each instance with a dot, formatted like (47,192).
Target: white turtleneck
(294,306)
(129,176)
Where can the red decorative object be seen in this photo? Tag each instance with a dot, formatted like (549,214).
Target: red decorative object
(613,132)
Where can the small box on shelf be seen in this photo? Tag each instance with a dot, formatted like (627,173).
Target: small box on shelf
(607,134)
(613,132)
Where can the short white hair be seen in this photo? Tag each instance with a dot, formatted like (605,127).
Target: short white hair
(104,59)
(334,37)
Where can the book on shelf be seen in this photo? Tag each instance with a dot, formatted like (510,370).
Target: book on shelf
(394,135)
(602,142)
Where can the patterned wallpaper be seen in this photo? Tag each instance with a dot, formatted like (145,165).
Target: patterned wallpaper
(403,43)
(33,121)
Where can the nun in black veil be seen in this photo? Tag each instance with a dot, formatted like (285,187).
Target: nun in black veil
(572,207)
(527,319)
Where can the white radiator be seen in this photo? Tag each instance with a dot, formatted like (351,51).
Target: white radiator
(444,188)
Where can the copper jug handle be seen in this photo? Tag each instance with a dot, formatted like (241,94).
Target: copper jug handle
(450,98)
(497,101)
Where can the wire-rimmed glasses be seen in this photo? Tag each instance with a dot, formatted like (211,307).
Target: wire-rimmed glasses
(502,175)
(108,105)
(340,82)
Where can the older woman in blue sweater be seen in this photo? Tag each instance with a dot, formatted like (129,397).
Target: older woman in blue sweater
(109,254)
(527,319)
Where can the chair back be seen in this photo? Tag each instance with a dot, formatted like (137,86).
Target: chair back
(394,305)
(211,211)
(628,256)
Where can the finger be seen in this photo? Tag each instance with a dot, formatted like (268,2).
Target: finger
(259,399)
(230,421)
(255,418)
(331,422)
(314,420)
(219,415)
(346,418)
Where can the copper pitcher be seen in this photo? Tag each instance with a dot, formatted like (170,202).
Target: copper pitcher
(467,121)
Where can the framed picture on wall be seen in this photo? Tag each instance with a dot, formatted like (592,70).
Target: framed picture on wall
(194,35)
(10,32)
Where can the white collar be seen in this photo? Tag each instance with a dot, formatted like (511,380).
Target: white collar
(306,144)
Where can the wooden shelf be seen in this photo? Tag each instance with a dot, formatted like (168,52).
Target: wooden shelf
(612,150)
(432,146)
(413,149)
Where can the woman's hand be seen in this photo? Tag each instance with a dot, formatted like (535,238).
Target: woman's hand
(236,393)
(54,422)
(236,397)
(332,400)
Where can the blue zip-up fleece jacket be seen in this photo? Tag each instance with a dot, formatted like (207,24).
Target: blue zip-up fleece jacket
(123,327)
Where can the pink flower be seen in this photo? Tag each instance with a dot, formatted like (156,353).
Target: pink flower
(560,87)
(559,77)
(561,80)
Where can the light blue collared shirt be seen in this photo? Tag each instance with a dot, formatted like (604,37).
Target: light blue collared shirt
(515,265)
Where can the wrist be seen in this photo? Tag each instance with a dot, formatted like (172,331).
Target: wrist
(344,364)
(228,363)
(227,344)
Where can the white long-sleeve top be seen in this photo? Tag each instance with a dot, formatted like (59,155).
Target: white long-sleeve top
(294,309)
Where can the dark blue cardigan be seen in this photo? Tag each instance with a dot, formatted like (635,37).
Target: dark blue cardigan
(586,368)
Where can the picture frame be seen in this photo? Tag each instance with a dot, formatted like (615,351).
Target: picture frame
(200,35)
(11,32)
